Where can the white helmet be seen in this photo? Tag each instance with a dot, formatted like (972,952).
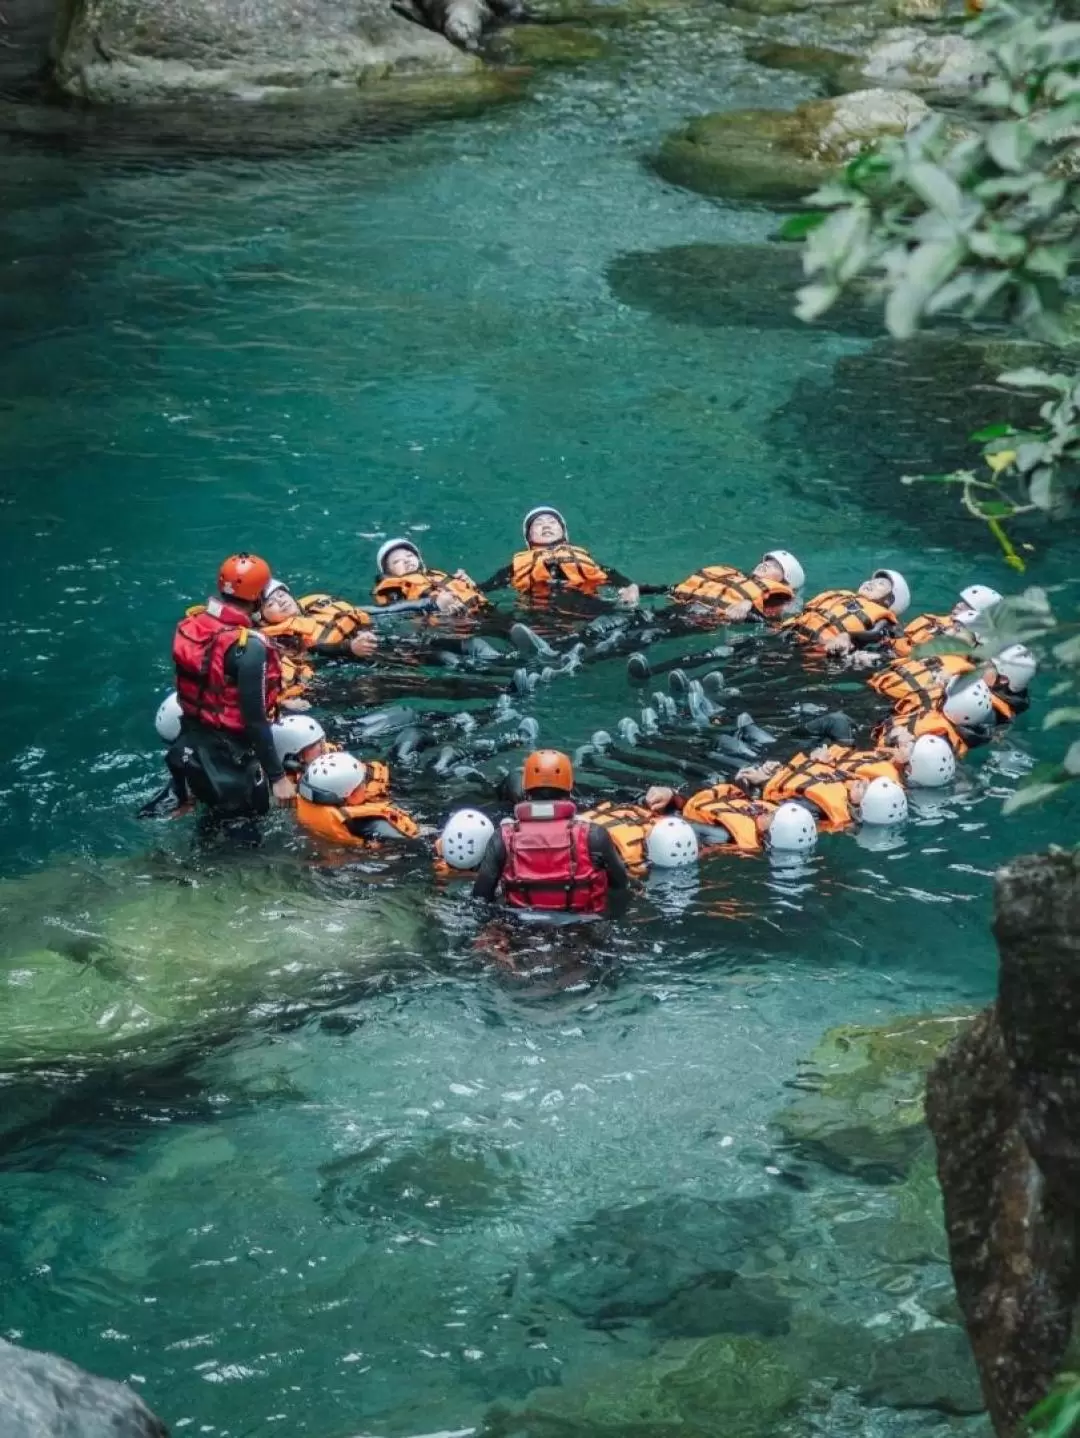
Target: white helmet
(965,615)
(790,568)
(792,829)
(167,719)
(535,514)
(385,550)
(979,597)
(901,599)
(332,777)
(883,803)
(671,843)
(932,762)
(1017,666)
(970,705)
(294,733)
(465,838)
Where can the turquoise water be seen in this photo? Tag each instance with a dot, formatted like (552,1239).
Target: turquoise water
(341,1204)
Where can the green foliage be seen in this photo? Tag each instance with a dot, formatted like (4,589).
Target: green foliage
(1058,1415)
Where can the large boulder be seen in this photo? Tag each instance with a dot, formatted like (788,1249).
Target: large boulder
(123,51)
(42,1396)
(1004,1107)
(862,1109)
(944,68)
(778,156)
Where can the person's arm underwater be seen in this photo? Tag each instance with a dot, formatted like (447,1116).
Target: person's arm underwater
(606,855)
(250,663)
(499,580)
(491,869)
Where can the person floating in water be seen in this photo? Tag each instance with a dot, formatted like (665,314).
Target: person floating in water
(316,624)
(724,815)
(403,577)
(228,684)
(547,858)
(723,594)
(974,600)
(550,564)
(344,801)
(840,620)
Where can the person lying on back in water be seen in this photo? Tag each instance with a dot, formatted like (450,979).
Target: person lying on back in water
(316,624)
(724,815)
(834,789)
(547,858)
(402,576)
(727,595)
(840,620)
(551,564)
(228,685)
(957,624)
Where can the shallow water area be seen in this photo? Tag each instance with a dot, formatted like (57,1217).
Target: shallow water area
(350,1172)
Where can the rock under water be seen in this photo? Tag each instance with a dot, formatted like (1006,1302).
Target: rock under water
(42,1396)
(1004,1107)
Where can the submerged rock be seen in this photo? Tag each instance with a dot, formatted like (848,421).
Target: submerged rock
(42,1396)
(778,156)
(547,45)
(932,1368)
(124,51)
(864,1112)
(730,285)
(1004,1106)
(115,962)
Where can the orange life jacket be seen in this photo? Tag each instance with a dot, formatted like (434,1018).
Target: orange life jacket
(557,566)
(720,586)
(426,584)
(370,801)
(322,621)
(925,627)
(864,763)
(817,782)
(295,677)
(839,611)
(926,721)
(914,684)
(628,825)
(726,806)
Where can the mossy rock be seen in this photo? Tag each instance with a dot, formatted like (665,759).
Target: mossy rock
(814,60)
(542,45)
(778,156)
(863,1111)
(449,94)
(617,14)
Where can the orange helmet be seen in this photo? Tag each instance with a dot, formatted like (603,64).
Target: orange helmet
(243,576)
(547,769)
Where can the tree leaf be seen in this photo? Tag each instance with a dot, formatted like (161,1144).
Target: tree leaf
(1031,378)
(1072,758)
(992,431)
(1029,794)
(814,300)
(1009,144)
(797,227)
(936,189)
(1066,715)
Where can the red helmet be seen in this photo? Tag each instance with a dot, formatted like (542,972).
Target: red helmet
(243,576)
(547,769)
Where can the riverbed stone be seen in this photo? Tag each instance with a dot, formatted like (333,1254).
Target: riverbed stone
(136,51)
(931,1368)
(547,45)
(641,1260)
(943,67)
(779,156)
(862,1111)
(43,1396)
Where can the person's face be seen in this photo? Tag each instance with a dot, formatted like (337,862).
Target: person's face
(313,751)
(546,529)
(278,606)
(767,571)
(878,591)
(402,561)
(763,823)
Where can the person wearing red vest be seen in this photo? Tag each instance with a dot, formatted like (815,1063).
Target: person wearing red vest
(228,681)
(546,858)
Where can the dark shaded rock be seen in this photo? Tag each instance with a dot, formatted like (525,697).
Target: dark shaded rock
(779,156)
(905,408)
(125,51)
(1004,1107)
(728,285)
(814,60)
(42,1396)
(932,1368)
(862,1111)
(633,1262)
(725,1303)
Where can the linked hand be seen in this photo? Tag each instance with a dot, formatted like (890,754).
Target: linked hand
(284,790)
(630,595)
(363,645)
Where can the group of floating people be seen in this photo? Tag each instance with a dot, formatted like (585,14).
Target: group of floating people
(682,783)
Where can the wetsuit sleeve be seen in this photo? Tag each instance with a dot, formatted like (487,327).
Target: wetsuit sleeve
(369,829)
(499,580)
(654,588)
(250,666)
(602,848)
(491,869)
(880,631)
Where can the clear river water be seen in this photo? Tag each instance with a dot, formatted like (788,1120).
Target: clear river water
(280,1147)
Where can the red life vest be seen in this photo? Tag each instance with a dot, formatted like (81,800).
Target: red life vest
(203,638)
(548,864)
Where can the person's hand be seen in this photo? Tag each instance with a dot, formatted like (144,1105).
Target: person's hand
(736,613)
(841,644)
(284,790)
(863,659)
(658,797)
(820,755)
(630,595)
(856,789)
(447,603)
(460,574)
(363,645)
